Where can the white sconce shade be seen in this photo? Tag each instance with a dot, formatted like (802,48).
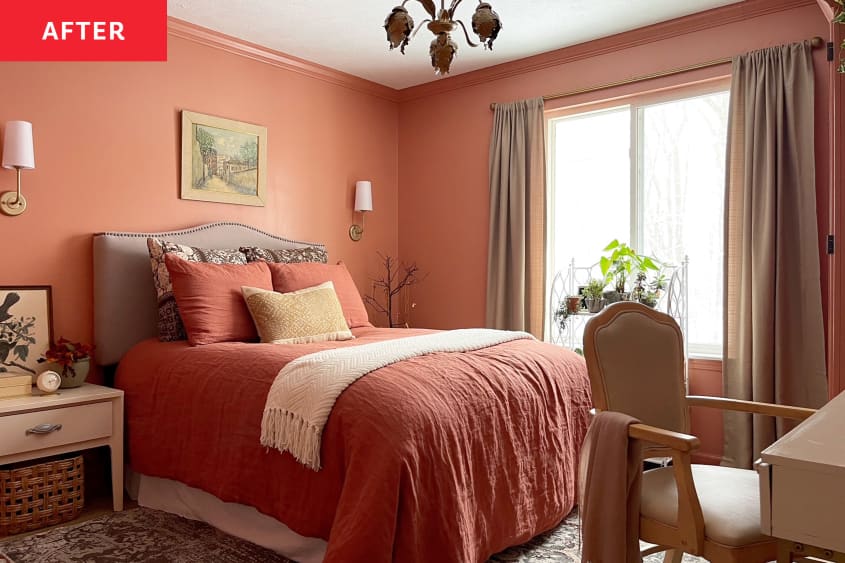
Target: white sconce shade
(363,202)
(363,196)
(18,150)
(18,154)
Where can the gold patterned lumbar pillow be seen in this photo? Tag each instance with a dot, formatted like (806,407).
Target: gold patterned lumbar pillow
(312,314)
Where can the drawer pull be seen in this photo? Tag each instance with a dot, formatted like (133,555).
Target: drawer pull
(44,429)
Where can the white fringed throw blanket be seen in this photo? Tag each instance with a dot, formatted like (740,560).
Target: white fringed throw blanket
(303,394)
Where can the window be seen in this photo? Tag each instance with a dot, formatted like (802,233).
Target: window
(650,173)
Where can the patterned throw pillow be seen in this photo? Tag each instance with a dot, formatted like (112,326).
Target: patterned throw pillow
(170,325)
(285,255)
(312,314)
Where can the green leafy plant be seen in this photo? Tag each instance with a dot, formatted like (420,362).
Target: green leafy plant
(621,262)
(594,289)
(66,353)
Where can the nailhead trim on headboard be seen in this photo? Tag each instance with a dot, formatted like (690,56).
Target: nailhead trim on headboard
(200,228)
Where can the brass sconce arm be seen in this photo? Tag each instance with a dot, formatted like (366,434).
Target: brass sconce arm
(13,203)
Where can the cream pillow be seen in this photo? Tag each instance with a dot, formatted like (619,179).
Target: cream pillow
(312,314)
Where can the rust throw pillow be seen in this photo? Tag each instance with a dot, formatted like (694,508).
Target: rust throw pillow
(210,301)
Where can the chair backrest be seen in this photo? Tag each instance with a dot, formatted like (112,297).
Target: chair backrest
(635,360)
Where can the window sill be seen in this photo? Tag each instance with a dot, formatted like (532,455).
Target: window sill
(705,356)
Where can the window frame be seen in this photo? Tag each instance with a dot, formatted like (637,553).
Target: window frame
(636,103)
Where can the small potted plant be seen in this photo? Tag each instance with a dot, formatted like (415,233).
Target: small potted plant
(573,304)
(593,295)
(648,293)
(71,360)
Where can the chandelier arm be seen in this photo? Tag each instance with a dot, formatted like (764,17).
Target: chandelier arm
(455,4)
(466,34)
(429,7)
(419,27)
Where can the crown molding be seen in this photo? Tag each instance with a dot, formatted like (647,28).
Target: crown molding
(185,30)
(657,32)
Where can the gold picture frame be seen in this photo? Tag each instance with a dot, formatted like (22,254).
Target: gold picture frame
(223,160)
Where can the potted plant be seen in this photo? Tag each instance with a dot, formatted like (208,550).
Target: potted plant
(71,360)
(646,292)
(573,304)
(621,262)
(593,295)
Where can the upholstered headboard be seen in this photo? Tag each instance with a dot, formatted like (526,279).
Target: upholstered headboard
(125,309)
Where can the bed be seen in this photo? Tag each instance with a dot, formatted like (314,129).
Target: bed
(441,457)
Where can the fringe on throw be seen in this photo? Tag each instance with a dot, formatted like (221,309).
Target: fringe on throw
(284,430)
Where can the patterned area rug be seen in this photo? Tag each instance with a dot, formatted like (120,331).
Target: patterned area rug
(143,535)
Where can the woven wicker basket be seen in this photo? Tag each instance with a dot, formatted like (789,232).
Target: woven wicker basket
(35,496)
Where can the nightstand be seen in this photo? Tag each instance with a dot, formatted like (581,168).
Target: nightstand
(70,420)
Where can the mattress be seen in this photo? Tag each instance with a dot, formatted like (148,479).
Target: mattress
(443,457)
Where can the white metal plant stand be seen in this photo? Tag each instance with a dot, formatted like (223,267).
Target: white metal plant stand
(673,301)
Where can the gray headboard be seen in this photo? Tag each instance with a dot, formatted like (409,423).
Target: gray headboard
(125,309)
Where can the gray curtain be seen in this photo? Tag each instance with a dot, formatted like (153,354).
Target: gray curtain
(774,348)
(517,248)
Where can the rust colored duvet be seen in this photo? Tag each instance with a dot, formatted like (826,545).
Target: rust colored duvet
(446,457)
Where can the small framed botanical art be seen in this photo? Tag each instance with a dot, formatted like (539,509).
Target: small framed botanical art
(26,329)
(223,160)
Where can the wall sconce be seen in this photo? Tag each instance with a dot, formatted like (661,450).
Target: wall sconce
(363,203)
(18,153)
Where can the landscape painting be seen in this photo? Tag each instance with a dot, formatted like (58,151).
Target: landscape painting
(25,328)
(223,160)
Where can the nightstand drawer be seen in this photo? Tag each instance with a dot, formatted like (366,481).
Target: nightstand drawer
(78,424)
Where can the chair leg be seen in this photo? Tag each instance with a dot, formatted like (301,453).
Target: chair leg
(675,556)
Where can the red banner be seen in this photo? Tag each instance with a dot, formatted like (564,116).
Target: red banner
(83,30)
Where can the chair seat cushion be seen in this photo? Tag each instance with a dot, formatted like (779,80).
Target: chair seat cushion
(730,502)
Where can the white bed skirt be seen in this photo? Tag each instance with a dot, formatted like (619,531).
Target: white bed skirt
(238,520)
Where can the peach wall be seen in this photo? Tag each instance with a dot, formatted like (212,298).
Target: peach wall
(107,142)
(444,139)
(443,154)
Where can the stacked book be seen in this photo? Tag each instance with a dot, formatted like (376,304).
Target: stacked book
(15,385)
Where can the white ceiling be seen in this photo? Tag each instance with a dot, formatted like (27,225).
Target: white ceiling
(348,36)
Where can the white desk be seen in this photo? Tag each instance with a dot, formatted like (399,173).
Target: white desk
(802,487)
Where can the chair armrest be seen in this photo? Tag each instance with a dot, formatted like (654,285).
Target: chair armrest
(690,524)
(784,411)
(675,440)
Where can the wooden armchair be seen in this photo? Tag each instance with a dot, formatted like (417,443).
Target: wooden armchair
(635,362)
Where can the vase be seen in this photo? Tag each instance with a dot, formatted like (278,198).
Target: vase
(73,378)
(573,304)
(594,305)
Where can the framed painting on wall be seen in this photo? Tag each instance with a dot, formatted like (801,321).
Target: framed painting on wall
(26,328)
(223,160)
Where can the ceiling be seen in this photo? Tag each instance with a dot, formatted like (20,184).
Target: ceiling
(349,36)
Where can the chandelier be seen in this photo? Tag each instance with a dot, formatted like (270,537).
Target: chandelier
(400,30)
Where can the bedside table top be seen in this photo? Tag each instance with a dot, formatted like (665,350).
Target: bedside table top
(87,393)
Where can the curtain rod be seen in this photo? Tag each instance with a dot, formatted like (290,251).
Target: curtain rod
(815,42)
